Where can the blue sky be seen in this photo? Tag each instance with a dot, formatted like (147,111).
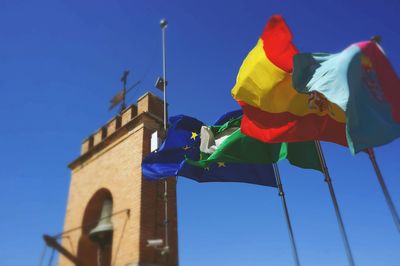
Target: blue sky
(60,63)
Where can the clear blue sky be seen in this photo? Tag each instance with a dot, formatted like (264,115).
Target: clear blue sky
(60,63)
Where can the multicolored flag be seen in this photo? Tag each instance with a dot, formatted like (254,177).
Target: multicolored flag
(273,110)
(224,144)
(361,81)
(183,141)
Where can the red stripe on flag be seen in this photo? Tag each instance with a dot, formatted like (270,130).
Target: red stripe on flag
(278,45)
(287,127)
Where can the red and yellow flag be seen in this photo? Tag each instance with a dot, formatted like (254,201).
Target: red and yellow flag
(273,111)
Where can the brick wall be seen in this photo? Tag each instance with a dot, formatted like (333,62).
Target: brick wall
(111,159)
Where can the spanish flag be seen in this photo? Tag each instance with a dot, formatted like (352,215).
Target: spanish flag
(273,111)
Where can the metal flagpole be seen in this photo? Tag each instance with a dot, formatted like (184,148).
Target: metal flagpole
(377,39)
(163,25)
(289,225)
(335,204)
(384,188)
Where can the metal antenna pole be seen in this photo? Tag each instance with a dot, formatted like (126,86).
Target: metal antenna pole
(163,25)
(289,225)
(335,204)
(389,201)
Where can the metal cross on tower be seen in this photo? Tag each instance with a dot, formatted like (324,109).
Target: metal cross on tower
(120,97)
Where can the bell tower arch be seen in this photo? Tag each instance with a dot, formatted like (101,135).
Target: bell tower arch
(108,170)
(91,252)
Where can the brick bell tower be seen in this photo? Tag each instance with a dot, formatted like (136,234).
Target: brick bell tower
(107,178)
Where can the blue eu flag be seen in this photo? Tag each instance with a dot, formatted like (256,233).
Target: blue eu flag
(182,142)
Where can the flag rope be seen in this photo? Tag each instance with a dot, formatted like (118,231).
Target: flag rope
(335,204)
(43,255)
(287,217)
(51,257)
(385,190)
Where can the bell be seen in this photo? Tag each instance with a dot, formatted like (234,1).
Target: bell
(103,232)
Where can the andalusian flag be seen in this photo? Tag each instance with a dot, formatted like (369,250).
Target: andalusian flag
(361,81)
(224,145)
(274,111)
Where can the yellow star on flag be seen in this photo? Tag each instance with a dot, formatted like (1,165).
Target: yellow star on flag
(221,164)
(194,135)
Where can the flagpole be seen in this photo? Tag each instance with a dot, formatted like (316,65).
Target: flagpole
(389,201)
(289,225)
(335,204)
(163,25)
(371,154)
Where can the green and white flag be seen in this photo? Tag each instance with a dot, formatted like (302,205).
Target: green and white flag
(226,144)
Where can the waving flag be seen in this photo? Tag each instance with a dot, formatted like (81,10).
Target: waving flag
(273,110)
(183,141)
(361,81)
(225,144)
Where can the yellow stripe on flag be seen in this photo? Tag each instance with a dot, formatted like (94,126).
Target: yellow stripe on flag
(262,84)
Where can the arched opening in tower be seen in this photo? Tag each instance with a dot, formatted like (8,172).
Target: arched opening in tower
(95,243)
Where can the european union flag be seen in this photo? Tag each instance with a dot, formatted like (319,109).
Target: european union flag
(182,142)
